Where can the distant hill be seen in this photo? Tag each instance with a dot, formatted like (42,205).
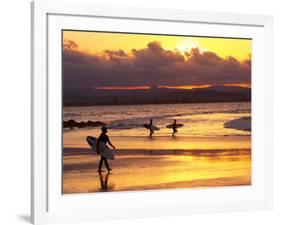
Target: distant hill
(154,95)
(232,89)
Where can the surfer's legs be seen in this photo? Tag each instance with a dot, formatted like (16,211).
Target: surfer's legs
(100,164)
(105,162)
(151,132)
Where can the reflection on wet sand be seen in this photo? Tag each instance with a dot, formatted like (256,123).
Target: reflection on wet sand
(152,170)
(104,187)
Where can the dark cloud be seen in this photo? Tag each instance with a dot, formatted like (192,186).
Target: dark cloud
(68,44)
(119,53)
(154,56)
(116,56)
(152,65)
(72,55)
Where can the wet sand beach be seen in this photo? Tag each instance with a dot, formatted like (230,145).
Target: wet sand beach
(154,169)
(204,153)
(157,142)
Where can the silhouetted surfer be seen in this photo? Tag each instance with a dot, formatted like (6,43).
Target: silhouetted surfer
(105,139)
(150,128)
(175,127)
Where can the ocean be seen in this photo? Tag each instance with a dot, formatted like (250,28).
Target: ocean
(200,119)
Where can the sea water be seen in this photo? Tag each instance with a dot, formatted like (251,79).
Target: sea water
(200,119)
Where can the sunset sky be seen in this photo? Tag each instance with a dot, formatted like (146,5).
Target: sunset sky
(130,61)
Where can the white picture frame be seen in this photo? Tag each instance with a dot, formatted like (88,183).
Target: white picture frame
(48,205)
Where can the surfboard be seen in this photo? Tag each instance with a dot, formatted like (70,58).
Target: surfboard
(177,125)
(104,150)
(147,126)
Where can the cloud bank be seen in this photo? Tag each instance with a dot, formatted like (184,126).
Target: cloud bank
(152,65)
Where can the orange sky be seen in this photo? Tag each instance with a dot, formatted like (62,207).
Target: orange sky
(98,42)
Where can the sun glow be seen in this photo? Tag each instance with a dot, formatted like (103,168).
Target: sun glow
(98,42)
(186,45)
(246,85)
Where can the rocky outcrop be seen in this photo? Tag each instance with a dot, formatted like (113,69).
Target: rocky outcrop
(82,124)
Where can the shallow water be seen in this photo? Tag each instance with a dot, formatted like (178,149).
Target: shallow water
(78,139)
(204,119)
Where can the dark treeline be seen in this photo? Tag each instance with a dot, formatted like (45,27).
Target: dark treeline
(88,97)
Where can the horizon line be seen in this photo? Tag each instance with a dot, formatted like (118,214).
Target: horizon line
(187,87)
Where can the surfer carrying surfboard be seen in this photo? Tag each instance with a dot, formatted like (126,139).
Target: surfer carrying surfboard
(174,128)
(105,139)
(151,128)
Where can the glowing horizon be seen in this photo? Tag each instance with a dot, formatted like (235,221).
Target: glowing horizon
(245,85)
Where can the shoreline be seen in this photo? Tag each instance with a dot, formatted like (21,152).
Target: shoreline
(205,152)
(72,140)
(156,135)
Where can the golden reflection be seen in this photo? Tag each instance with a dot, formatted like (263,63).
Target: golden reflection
(157,172)
(104,180)
(76,140)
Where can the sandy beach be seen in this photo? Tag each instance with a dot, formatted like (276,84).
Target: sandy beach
(155,169)
(212,149)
